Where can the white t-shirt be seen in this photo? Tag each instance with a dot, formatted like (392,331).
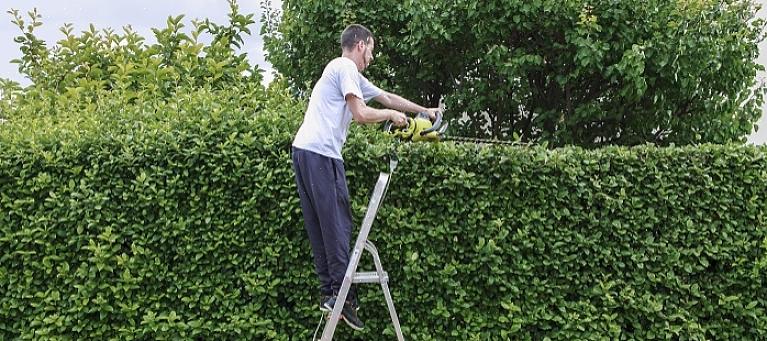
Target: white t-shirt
(327,119)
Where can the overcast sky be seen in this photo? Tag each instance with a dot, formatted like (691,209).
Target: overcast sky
(143,15)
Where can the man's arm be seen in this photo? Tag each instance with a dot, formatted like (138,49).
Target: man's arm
(397,102)
(362,113)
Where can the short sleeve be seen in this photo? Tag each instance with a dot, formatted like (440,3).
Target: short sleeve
(348,79)
(369,91)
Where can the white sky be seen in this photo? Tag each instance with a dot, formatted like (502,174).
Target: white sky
(143,15)
(760,137)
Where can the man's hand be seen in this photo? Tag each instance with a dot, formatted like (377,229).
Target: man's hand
(399,119)
(432,112)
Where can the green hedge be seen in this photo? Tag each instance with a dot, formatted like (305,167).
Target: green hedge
(185,224)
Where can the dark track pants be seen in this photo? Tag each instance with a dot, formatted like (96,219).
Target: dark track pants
(321,183)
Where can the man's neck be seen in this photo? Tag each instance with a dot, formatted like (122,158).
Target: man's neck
(352,57)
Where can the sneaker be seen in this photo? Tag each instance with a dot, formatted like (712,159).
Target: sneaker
(324,306)
(355,304)
(348,314)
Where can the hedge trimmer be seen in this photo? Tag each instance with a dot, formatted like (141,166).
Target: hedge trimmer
(421,129)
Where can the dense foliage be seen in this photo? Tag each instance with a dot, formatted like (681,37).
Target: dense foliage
(80,68)
(158,202)
(95,265)
(186,224)
(586,73)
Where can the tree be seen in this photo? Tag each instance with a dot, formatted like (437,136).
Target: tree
(80,68)
(589,73)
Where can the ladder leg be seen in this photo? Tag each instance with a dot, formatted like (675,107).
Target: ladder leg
(385,287)
(392,311)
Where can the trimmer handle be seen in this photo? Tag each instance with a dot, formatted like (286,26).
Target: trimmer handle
(434,126)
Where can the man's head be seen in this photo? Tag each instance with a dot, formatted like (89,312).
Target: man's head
(357,43)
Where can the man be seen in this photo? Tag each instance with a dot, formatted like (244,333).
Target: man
(338,97)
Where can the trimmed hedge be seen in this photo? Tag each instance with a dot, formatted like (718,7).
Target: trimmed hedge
(187,226)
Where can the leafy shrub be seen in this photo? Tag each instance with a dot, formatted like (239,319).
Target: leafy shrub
(185,224)
(166,209)
(80,68)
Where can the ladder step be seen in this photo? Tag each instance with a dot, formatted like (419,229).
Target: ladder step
(370,277)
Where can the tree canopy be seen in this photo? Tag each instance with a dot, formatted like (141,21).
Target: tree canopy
(80,68)
(589,73)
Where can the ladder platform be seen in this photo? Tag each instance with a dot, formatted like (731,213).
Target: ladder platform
(370,277)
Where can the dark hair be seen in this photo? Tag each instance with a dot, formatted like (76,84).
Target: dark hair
(353,34)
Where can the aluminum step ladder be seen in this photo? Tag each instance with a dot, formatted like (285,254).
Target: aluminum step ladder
(362,243)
